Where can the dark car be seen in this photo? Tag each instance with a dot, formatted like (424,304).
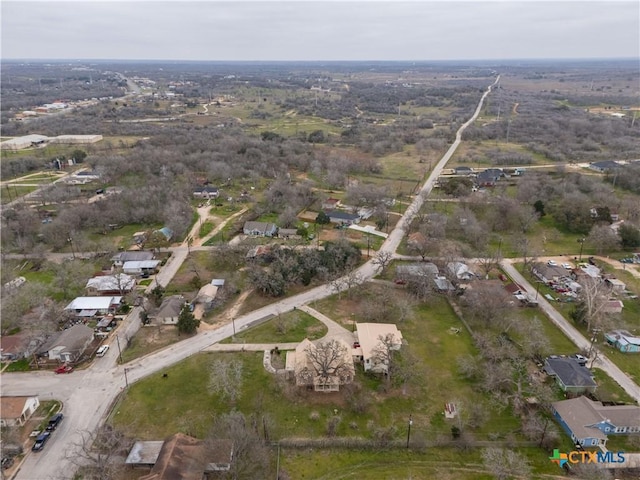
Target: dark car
(40,441)
(54,422)
(7,462)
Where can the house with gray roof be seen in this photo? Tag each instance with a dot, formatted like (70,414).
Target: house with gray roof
(588,422)
(547,273)
(120,258)
(570,375)
(343,218)
(259,229)
(68,345)
(169,310)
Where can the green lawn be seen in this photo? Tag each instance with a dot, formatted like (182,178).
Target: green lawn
(441,463)
(293,326)
(205,228)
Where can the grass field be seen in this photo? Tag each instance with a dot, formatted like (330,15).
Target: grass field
(293,326)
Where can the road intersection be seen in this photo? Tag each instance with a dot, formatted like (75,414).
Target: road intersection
(89,394)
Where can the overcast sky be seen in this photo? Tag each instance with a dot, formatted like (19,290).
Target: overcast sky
(311,30)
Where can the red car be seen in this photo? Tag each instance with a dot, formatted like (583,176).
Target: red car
(64,369)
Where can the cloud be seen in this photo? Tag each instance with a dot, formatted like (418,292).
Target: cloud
(310,30)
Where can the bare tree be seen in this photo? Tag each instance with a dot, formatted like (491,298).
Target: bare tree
(488,261)
(505,464)
(328,360)
(225,379)
(603,238)
(383,259)
(251,457)
(100,455)
(541,429)
(592,300)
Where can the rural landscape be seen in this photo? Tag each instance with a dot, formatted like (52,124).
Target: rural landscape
(306,270)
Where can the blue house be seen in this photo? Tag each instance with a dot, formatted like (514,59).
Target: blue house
(623,341)
(588,423)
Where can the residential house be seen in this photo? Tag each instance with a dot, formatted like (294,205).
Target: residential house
(105,325)
(443,285)
(259,229)
(330,204)
(617,286)
(182,457)
(612,306)
(207,296)
(462,170)
(90,306)
(370,338)
(206,192)
(623,341)
(68,345)
(460,271)
(259,252)
(570,375)
(288,234)
(169,310)
(416,271)
(306,373)
(117,284)
(120,258)
(489,177)
(604,166)
(13,347)
(15,411)
(343,218)
(141,267)
(547,273)
(589,422)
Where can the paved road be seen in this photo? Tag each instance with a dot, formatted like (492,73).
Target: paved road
(574,335)
(88,394)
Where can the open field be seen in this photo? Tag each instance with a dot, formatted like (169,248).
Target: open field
(293,326)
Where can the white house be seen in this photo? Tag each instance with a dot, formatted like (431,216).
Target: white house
(259,229)
(120,283)
(370,338)
(69,345)
(15,411)
(90,306)
(140,267)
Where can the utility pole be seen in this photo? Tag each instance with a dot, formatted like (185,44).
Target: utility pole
(119,350)
(409,429)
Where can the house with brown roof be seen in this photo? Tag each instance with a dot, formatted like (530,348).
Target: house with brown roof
(589,422)
(182,457)
(15,411)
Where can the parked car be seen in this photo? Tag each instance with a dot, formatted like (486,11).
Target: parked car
(41,440)
(64,369)
(54,422)
(7,462)
(567,266)
(552,263)
(102,351)
(582,360)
